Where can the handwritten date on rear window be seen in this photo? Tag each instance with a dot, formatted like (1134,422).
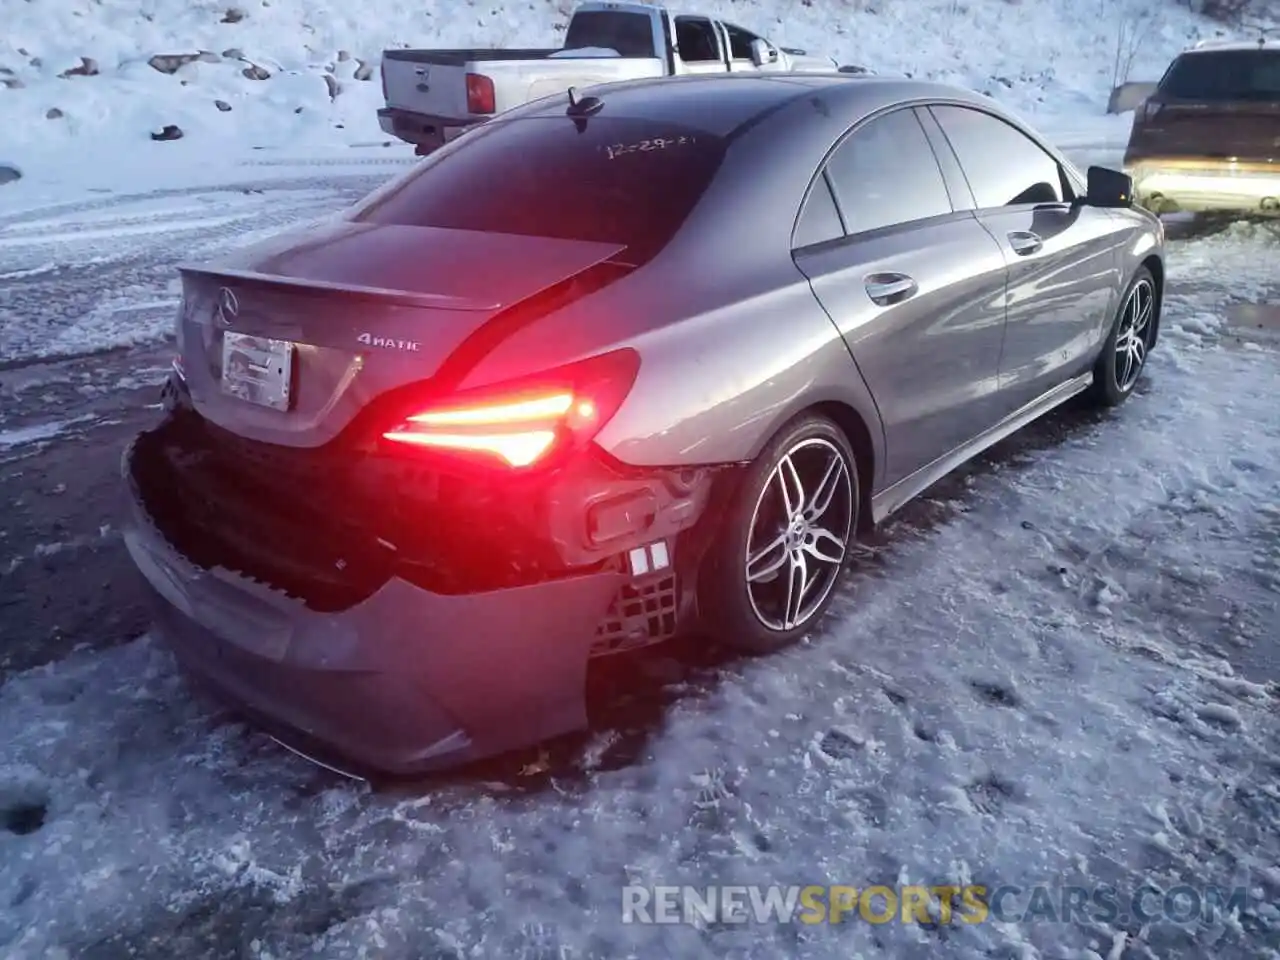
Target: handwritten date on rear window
(616,150)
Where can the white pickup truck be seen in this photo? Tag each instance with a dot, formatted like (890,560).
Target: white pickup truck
(434,95)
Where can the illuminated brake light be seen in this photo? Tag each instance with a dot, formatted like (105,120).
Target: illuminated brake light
(518,449)
(523,426)
(556,405)
(480,94)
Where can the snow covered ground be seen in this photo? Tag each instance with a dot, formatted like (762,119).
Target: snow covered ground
(1062,667)
(1054,60)
(1030,680)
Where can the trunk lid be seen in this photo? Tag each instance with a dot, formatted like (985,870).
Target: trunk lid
(352,311)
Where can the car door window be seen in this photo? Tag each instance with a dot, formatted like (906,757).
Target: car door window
(739,42)
(1004,167)
(885,174)
(820,219)
(696,40)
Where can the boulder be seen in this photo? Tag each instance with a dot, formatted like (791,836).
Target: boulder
(88,68)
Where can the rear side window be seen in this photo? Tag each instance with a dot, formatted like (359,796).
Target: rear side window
(611,180)
(819,220)
(885,174)
(1224,75)
(1003,165)
(630,34)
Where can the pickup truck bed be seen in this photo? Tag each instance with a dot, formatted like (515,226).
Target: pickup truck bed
(460,58)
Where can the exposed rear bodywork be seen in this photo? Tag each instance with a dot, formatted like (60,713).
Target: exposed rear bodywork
(1208,139)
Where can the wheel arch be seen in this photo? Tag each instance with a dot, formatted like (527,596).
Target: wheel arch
(858,433)
(1155,264)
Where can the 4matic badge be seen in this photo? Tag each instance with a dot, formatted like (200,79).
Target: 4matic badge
(389,343)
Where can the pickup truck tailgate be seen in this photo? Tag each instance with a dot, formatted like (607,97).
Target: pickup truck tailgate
(434,82)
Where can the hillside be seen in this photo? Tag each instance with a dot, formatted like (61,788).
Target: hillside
(303,74)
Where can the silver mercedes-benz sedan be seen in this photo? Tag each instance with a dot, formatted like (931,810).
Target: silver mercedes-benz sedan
(624,363)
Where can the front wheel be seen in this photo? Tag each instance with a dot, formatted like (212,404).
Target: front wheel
(1124,355)
(772,573)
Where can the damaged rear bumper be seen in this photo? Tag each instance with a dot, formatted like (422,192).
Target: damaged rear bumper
(407,680)
(391,665)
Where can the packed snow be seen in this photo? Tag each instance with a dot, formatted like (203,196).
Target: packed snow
(1061,667)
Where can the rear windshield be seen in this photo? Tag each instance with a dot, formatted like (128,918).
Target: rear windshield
(614,180)
(629,34)
(1224,75)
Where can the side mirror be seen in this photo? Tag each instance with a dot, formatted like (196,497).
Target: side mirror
(762,53)
(1108,188)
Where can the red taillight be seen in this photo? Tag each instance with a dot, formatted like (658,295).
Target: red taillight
(524,424)
(179,367)
(383,70)
(1149,111)
(480,96)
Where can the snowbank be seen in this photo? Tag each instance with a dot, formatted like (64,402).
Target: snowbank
(85,82)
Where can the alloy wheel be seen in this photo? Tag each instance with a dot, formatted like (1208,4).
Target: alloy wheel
(1134,334)
(799,534)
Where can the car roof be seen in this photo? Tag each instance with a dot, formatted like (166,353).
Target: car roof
(722,103)
(1226,46)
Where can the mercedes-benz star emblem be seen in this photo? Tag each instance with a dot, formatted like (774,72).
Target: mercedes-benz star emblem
(227,307)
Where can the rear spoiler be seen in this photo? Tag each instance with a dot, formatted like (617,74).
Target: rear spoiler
(431,301)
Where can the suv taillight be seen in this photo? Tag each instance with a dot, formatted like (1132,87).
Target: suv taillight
(1149,110)
(523,424)
(480,95)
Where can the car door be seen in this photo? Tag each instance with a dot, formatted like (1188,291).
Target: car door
(698,46)
(915,287)
(1062,255)
(738,42)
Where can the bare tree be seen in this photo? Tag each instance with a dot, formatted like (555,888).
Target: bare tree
(1135,27)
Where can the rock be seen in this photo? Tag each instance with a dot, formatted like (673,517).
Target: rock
(171,63)
(854,68)
(88,68)
(255,72)
(22,52)
(222,105)
(6,71)
(12,83)
(170,132)
(299,110)
(233,53)
(364,71)
(9,173)
(343,56)
(334,87)
(233,15)
(37,63)
(53,113)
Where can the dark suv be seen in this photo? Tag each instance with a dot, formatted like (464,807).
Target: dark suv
(1208,138)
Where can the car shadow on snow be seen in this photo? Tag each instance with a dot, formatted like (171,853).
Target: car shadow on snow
(630,694)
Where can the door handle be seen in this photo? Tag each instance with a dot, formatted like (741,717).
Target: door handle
(1024,242)
(887,289)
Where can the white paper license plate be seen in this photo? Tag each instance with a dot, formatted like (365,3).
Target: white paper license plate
(258,369)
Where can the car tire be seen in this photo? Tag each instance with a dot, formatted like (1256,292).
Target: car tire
(1124,354)
(810,538)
